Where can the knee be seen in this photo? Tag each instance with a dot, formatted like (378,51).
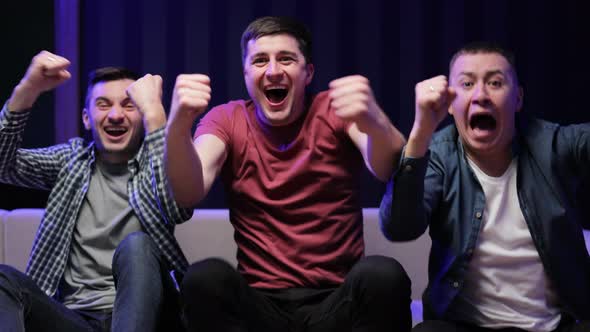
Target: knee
(9,273)
(136,249)
(209,277)
(134,244)
(381,275)
(11,281)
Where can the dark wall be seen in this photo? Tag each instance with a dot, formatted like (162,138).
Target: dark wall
(24,32)
(394,44)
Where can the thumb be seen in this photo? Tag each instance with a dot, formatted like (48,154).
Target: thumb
(159,82)
(451,95)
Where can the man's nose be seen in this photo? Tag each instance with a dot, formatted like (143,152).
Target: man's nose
(274,70)
(480,94)
(115,114)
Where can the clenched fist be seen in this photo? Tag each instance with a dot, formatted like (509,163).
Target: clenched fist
(45,72)
(352,99)
(146,94)
(191,96)
(433,98)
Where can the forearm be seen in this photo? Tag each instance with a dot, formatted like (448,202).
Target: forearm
(183,168)
(384,146)
(154,119)
(33,168)
(418,143)
(402,211)
(156,181)
(11,131)
(23,97)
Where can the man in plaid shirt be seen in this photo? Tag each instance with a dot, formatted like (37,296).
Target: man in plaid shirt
(103,253)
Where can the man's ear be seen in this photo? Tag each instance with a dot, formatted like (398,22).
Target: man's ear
(519,99)
(452,95)
(86,119)
(310,70)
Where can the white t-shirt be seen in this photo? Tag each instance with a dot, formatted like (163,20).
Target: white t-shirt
(506,284)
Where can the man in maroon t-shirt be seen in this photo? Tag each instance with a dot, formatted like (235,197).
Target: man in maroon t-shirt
(290,165)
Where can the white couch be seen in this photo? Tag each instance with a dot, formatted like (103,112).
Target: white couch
(210,234)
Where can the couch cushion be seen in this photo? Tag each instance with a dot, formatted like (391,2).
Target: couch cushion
(413,255)
(208,233)
(20,227)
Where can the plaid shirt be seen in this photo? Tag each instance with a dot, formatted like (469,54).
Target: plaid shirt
(65,169)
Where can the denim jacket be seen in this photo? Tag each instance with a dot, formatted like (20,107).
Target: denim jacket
(441,192)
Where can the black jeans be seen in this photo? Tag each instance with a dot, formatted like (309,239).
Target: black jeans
(146,297)
(566,325)
(374,297)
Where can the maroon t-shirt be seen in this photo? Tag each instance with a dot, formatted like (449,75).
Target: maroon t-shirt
(295,208)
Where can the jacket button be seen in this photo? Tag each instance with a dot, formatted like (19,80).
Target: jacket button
(455,284)
(408,168)
(478,215)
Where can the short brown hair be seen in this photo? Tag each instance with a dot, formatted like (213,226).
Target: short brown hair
(486,47)
(107,74)
(274,25)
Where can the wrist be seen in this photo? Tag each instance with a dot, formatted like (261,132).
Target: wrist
(376,121)
(418,142)
(23,97)
(154,120)
(178,129)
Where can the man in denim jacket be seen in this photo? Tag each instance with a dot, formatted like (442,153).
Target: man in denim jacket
(501,196)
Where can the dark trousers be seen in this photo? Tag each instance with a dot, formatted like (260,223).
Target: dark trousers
(566,325)
(375,296)
(146,297)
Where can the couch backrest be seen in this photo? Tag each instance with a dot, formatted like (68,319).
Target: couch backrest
(20,227)
(209,234)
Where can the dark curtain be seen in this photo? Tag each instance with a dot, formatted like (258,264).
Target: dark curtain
(394,44)
(24,32)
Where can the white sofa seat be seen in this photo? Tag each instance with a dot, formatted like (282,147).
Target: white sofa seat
(209,234)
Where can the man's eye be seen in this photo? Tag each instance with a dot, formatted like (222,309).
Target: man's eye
(466,84)
(496,83)
(103,106)
(259,61)
(286,60)
(129,106)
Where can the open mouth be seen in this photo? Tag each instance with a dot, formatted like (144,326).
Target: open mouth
(484,122)
(276,95)
(115,131)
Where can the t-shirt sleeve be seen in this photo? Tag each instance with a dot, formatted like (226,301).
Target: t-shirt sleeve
(216,122)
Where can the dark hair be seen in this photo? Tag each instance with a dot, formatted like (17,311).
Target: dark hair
(274,25)
(107,74)
(486,47)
